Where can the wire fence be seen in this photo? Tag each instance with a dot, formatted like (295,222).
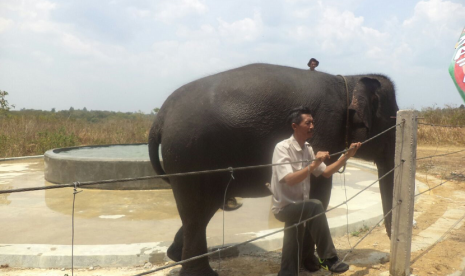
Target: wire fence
(438,185)
(435,125)
(345,202)
(269,234)
(231,170)
(437,155)
(444,175)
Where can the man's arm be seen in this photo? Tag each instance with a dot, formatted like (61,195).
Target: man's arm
(331,169)
(299,176)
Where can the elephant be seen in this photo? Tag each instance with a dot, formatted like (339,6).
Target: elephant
(235,118)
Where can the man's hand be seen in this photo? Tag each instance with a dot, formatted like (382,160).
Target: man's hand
(334,167)
(321,156)
(353,149)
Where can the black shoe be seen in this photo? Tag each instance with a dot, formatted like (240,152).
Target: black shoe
(334,265)
(311,264)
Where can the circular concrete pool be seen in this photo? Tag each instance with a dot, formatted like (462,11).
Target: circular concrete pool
(102,162)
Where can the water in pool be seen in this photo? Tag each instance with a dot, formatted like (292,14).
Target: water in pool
(128,152)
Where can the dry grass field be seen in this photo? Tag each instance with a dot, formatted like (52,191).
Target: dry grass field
(26,133)
(32,132)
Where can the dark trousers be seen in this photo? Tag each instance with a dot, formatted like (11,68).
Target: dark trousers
(317,233)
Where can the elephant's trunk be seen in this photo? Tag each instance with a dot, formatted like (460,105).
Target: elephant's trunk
(385,163)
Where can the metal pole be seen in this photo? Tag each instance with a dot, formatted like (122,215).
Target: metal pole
(404,192)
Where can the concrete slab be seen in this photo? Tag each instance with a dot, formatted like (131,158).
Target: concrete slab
(124,228)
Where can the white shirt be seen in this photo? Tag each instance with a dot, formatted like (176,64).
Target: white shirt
(289,150)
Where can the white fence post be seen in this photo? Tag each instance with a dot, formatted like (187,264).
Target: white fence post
(404,192)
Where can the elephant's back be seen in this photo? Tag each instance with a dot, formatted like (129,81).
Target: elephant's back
(249,92)
(240,112)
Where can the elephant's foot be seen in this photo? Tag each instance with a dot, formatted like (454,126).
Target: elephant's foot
(174,252)
(231,204)
(208,271)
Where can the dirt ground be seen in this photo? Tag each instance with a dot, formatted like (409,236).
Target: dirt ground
(444,256)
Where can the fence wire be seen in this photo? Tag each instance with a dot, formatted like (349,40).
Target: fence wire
(371,229)
(230,169)
(440,184)
(77,184)
(431,156)
(435,125)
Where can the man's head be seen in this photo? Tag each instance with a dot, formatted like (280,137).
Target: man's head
(313,63)
(301,121)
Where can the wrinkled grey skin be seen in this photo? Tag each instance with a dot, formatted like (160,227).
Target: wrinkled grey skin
(235,118)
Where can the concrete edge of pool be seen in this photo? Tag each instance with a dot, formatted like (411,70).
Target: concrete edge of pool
(62,169)
(137,254)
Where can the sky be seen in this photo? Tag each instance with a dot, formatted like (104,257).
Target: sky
(130,55)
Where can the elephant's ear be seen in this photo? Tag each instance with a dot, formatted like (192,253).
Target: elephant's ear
(364,98)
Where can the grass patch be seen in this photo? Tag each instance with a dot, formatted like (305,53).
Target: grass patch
(360,231)
(435,135)
(32,132)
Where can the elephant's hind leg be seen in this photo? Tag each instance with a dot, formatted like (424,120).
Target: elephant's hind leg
(197,202)
(196,244)
(174,252)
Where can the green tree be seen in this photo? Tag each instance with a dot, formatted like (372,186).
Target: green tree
(4,105)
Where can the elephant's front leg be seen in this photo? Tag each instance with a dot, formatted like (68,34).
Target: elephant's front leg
(320,188)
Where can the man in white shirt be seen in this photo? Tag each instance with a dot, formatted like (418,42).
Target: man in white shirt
(290,185)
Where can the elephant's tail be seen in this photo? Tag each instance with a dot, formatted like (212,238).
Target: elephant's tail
(154,150)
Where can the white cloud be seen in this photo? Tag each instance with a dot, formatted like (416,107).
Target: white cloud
(42,57)
(170,58)
(171,10)
(339,32)
(433,25)
(30,9)
(205,31)
(5,24)
(435,11)
(140,13)
(31,15)
(244,30)
(45,5)
(76,45)
(173,42)
(435,19)
(340,24)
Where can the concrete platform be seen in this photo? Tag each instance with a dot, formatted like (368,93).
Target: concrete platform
(126,228)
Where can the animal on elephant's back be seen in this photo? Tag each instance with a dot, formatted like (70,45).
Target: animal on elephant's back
(235,118)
